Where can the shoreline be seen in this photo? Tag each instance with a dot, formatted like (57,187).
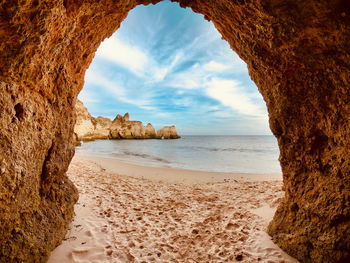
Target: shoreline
(132,213)
(170,174)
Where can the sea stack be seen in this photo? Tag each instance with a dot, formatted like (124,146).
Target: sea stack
(88,128)
(150,132)
(123,128)
(168,132)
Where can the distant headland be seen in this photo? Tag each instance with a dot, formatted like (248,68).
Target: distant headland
(88,128)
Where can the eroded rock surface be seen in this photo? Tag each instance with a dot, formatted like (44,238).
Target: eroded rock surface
(102,126)
(168,132)
(150,132)
(88,128)
(123,128)
(297,53)
(84,126)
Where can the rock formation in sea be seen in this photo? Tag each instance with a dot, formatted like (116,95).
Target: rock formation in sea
(297,52)
(123,128)
(88,128)
(168,132)
(150,132)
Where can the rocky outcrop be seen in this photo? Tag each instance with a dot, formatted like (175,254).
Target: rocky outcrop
(168,132)
(102,127)
(88,128)
(297,52)
(123,128)
(84,126)
(150,132)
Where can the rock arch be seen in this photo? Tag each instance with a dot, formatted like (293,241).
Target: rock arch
(298,54)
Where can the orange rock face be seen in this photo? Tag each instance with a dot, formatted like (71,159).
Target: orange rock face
(168,132)
(297,52)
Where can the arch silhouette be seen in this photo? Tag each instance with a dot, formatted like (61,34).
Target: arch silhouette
(297,53)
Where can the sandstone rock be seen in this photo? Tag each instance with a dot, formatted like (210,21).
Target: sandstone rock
(297,52)
(102,127)
(168,132)
(150,132)
(84,127)
(126,117)
(123,128)
(88,128)
(131,130)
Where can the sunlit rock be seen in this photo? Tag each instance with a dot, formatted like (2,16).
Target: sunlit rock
(88,128)
(123,128)
(168,132)
(150,132)
(84,127)
(102,127)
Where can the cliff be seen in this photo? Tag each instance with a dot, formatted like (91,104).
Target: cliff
(88,128)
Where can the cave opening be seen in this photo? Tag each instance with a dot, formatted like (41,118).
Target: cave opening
(175,69)
(167,72)
(297,53)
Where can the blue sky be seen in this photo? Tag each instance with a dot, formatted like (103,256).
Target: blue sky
(167,65)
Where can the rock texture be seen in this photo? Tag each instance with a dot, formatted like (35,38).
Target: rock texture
(168,132)
(123,128)
(297,52)
(150,132)
(88,128)
(84,126)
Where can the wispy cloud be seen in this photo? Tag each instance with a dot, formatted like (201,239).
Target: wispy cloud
(115,90)
(128,56)
(88,97)
(96,79)
(215,66)
(159,72)
(175,67)
(229,93)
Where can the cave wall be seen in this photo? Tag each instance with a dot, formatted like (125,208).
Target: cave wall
(297,52)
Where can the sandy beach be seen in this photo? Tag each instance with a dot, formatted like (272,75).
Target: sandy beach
(132,213)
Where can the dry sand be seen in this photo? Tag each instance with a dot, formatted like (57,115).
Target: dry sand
(131,213)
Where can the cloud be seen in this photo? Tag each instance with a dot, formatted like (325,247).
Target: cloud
(180,92)
(125,55)
(136,59)
(215,66)
(168,70)
(87,98)
(229,93)
(184,102)
(191,78)
(115,90)
(94,78)
(158,73)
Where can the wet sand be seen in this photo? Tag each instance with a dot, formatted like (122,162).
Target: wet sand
(132,213)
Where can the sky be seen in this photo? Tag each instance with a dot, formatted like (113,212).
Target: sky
(168,65)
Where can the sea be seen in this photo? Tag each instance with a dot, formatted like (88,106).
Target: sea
(232,154)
